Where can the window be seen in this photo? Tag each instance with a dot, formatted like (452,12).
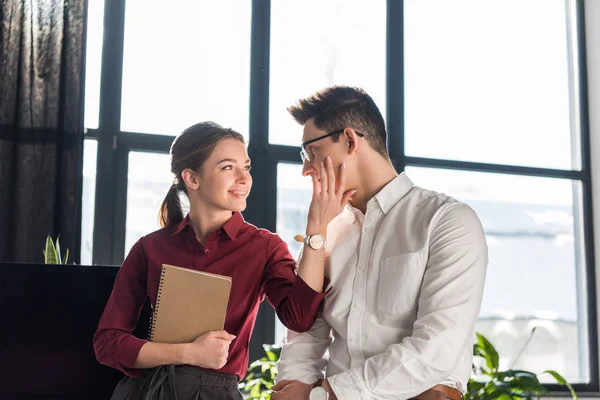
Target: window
(294,192)
(93,62)
(90,150)
(497,96)
(315,44)
(148,181)
(489,115)
(536,266)
(185,63)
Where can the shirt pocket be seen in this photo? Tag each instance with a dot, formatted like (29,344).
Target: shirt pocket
(400,278)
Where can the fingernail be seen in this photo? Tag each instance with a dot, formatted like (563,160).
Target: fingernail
(355,190)
(328,160)
(344,164)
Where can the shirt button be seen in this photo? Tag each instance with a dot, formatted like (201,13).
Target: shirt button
(367,229)
(206,251)
(353,338)
(361,267)
(356,305)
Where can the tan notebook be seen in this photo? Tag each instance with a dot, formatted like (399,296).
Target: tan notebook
(189,304)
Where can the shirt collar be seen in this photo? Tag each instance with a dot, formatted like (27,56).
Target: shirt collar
(393,192)
(231,227)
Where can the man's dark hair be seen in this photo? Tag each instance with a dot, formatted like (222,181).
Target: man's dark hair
(340,107)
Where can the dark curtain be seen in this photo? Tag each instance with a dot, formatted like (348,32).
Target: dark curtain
(41,126)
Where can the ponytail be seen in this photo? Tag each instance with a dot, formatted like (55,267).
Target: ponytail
(170,211)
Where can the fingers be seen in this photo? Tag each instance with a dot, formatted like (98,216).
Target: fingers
(280,385)
(342,186)
(324,186)
(346,197)
(316,184)
(330,177)
(222,335)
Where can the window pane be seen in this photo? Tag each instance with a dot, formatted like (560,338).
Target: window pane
(93,62)
(477,91)
(185,62)
(88,200)
(148,181)
(294,192)
(315,44)
(536,272)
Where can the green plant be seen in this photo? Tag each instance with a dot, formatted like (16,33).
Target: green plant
(52,252)
(261,374)
(511,384)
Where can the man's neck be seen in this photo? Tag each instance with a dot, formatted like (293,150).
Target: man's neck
(205,221)
(374,175)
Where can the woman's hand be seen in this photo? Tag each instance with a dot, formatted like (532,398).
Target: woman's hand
(328,201)
(209,350)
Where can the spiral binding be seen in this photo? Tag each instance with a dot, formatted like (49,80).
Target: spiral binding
(154,317)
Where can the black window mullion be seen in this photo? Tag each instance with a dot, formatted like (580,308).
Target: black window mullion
(109,126)
(262,201)
(395,82)
(587,203)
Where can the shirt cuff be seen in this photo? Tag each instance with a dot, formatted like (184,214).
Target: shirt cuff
(129,350)
(349,385)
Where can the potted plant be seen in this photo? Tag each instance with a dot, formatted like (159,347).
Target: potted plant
(52,252)
(487,383)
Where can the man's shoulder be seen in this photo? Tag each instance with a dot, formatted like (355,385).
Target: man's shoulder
(430,201)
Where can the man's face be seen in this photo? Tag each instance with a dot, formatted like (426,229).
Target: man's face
(319,150)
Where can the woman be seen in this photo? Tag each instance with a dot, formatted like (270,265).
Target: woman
(211,166)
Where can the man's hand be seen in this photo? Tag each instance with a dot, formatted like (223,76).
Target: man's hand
(291,390)
(296,390)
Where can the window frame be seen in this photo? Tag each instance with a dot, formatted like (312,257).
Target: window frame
(114,147)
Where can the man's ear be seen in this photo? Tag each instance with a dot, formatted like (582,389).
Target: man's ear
(191,179)
(351,140)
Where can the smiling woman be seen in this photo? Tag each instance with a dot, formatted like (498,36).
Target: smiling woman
(212,168)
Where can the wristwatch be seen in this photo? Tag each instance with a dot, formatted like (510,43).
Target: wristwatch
(318,392)
(316,242)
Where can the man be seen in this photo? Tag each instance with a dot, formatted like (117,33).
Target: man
(406,269)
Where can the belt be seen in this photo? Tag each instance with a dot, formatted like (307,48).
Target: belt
(440,392)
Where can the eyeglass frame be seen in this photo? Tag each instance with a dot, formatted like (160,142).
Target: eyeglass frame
(304,156)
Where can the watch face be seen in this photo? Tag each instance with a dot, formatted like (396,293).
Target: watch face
(319,393)
(316,242)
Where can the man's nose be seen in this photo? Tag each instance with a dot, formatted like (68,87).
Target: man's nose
(307,168)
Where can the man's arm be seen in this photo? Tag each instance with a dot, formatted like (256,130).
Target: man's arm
(303,354)
(448,308)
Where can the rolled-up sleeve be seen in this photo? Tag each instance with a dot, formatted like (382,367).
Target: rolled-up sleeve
(114,344)
(303,354)
(295,303)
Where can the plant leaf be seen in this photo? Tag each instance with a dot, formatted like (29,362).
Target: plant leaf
(66,257)
(562,381)
(50,253)
(58,256)
(490,354)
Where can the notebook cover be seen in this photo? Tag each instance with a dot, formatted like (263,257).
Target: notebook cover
(189,304)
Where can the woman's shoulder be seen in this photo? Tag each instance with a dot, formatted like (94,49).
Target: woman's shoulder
(262,234)
(159,235)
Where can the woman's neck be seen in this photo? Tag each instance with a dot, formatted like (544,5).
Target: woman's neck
(205,221)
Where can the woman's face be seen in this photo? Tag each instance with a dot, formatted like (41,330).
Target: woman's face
(224,180)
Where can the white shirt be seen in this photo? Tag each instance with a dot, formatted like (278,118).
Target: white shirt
(406,282)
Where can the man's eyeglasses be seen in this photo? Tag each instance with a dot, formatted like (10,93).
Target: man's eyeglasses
(305,155)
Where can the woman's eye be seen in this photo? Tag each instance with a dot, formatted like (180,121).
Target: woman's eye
(227,167)
(248,168)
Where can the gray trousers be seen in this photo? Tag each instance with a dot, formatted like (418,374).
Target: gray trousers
(180,382)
